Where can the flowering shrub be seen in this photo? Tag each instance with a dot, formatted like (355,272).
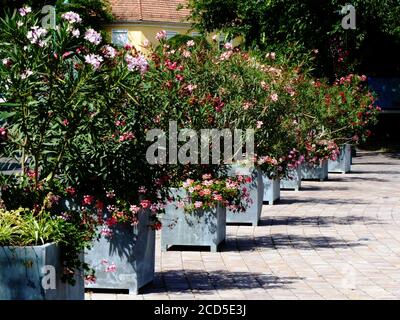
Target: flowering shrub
(68,129)
(318,150)
(209,193)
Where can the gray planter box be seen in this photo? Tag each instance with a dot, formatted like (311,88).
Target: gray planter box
(343,163)
(293,180)
(309,172)
(131,249)
(27,273)
(272,190)
(256,189)
(200,228)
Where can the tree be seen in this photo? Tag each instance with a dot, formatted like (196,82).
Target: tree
(94,13)
(373,47)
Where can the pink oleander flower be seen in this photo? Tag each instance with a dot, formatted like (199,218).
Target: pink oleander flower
(27,73)
(67,54)
(76,33)
(24,11)
(228,46)
(226,55)
(206,192)
(274,97)
(207,176)
(128,136)
(134,209)
(146,43)
(106,232)
(138,63)
(88,200)
(207,183)
(128,47)
(179,77)
(35,36)
(198,204)
(111,268)
(104,261)
(94,60)
(190,43)
(247,105)
(110,194)
(109,52)
(218,197)
(191,87)
(259,124)
(187,183)
(162,35)
(71,17)
(186,54)
(7,62)
(65,122)
(93,36)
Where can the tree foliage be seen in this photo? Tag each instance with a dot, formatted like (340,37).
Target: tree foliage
(372,47)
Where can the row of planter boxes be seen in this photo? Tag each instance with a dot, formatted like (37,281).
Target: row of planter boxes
(127,259)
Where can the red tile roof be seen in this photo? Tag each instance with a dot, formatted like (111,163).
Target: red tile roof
(149,10)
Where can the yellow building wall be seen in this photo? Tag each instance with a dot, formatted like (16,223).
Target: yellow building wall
(140,32)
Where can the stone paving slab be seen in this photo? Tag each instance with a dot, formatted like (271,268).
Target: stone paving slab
(338,239)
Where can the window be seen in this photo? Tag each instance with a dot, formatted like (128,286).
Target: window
(171,34)
(119,37)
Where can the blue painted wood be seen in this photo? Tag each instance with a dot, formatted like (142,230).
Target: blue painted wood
(272,190)
(343,163)
(200,228)
(256,189)
(131,249)
(292,181)
(309,172)
(23,273)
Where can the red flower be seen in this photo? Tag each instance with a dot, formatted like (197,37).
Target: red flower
(99,205)
(179,77)
(112,221)
(70,191)
(145,204)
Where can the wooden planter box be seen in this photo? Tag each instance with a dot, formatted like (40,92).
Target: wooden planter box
(199,228)
(256,189)
(272,190)
(34,273)
(343,163)
(131,249)
(293,180)
(309,172)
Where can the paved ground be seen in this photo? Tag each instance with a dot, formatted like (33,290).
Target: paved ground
(338,239)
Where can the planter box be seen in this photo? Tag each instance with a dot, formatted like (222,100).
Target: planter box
(343,163)
(26,273)
(315,173)
(272,190)
(256,190)
(131,249)
(293,180)
(199,228)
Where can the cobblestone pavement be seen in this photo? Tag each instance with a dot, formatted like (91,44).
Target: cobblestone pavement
(338,239)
